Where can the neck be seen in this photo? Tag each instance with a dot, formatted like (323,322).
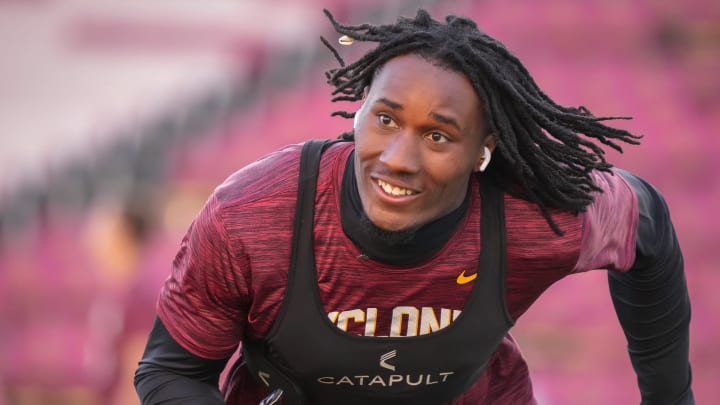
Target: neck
(398,248)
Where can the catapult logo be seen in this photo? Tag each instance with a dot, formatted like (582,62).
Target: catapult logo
(387,361)
(384,360)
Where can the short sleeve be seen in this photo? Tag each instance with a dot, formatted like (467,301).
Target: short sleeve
(204,302)
(609,226)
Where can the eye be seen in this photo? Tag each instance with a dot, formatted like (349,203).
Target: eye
(386,121)
(437,137)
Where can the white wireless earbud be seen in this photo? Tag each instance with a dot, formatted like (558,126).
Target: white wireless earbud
(487,155)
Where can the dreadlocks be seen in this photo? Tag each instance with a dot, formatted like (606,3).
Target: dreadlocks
(540,155)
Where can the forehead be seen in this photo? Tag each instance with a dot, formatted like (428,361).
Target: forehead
(415,82)
(417,65)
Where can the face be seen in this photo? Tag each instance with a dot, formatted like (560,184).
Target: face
(418,139)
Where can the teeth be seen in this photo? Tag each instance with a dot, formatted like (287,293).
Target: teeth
(392,190)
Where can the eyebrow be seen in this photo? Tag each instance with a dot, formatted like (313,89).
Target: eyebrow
(446,120)
(392,104)
(438,117)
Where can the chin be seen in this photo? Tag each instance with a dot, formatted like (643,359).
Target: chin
(391,224)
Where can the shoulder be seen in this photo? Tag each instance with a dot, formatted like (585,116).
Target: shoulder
(259,194)
(609,224)
(615,188)
(272,175)
(265,191)
(614,207)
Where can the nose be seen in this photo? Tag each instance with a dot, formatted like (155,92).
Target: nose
(401,153)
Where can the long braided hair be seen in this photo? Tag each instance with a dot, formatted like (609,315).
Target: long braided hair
(540,154)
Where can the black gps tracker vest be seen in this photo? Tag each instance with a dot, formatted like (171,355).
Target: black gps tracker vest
(312,361)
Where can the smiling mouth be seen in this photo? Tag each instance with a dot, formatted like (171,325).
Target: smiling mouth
(394,190)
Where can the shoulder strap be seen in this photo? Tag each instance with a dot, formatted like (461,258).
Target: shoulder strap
(307,183)
(255,352)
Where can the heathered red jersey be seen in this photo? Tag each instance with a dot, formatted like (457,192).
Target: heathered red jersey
(229,275)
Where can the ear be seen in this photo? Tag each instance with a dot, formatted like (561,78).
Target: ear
(485,155)
(490,141)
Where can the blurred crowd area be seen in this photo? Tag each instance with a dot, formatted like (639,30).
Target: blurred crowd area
(118,119)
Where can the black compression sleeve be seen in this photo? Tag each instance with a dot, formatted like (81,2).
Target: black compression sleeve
(170,375)
(652,304)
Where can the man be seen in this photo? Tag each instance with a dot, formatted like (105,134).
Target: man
(388,268)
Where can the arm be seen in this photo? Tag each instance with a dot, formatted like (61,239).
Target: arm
(201,309)
(652,303)
(168,374)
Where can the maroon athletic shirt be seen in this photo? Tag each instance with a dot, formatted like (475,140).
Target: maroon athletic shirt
(229,276)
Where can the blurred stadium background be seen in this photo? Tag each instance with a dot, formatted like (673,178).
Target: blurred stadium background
(117,119)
